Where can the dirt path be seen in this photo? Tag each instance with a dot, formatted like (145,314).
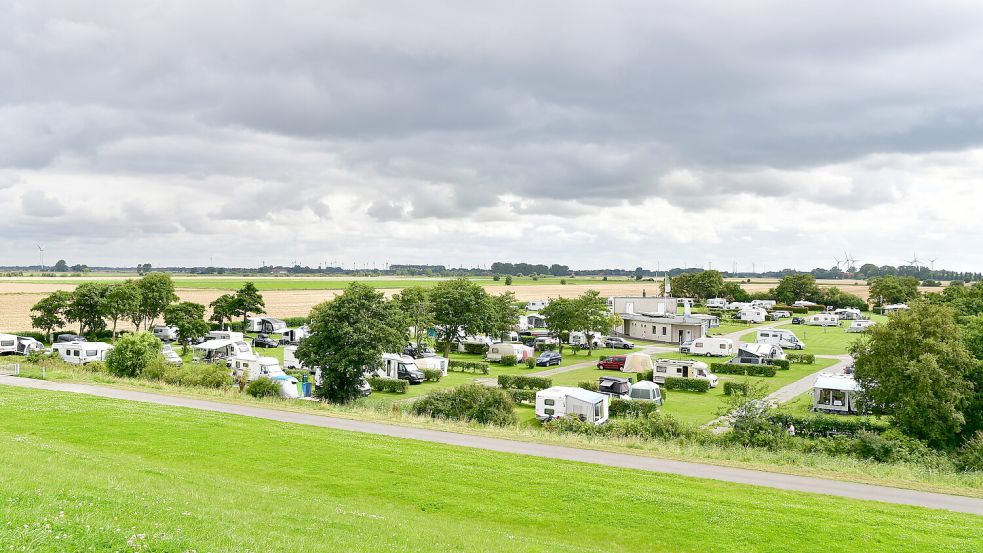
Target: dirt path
(651,464)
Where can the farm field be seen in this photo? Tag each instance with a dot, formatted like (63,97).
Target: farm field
(125,476)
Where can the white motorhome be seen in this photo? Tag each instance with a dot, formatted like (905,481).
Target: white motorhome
(166,333)
(521,352)
(8,344)
(80,353)
(718,347)
(536,305)
(398,366)
(780,337)
(561,401)
(436,363)
(645,390)
(716,303)
(860,326)
(580,338)
(752,315)
(682,368)
(823,319)
(764,304)
(217,350)
(254,367)
(225,335)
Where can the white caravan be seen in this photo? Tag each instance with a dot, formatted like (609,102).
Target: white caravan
(860,326)
(823,319)
(521,352)
(561,401)
(436,363)
(216,350)
(170,356)
(269,325)
(294,336)
(737,305)
(536,305)
(290,358)
(166,333)
(579,338)
(764,304)
(8,344)
(752,315)
(80,353)
(682,368)
(804,303)
(254,324)
(779,337)
(473,340)
(719,347)
(645,390)
(225,335)
(716,303)
(848,314)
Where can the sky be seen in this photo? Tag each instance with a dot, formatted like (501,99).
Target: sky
(593,134)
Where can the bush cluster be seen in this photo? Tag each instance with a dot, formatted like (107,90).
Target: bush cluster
(521,382)
(738,388)
(646,375)
(743,369)
(819,425)
(791,309)
(653,425)
(531,363)
(391,385)
(626,408)
(470,402)
(508,361)
(433,375)
(467,366)
(801,358)
(522,396)
(477,349)
(589,385)
(686,384)
(208,376)
(782,364)
(263,387)
(296,321)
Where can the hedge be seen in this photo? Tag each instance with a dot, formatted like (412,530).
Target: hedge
(743,369)
(477,349)
(393,385)
(467,366)
(782,364)
(625,408)
(295,321)
(686,384)
(521,382)
(732,388)
(508,361)
(522,396)
(801,358)
(820,425)
(646,375)
(433,375)
(263,387)
(791,309)
(588,385)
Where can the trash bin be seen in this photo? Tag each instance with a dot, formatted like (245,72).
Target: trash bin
(307,389)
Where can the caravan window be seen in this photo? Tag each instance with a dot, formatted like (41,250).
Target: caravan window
(597,411)
(548,411)
(91,353)
(7,343)
(660,369)
(549,402)
(723,346)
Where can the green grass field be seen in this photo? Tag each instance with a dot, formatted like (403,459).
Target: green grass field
(82,473)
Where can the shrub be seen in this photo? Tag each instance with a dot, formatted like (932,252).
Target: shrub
(743,369)
(95,367)
(433,375)
(522,396)
(531,363)
(753,428)
(467,366)
(625,408)
(476,349)
(522,382)
(892,446)
(132,353)
(296,321)
(686,384)
(588,385)
(391,385)
(509,361)
(471,402)
(801,358)
(263,387)
(739,388)
(970,455)
(646,375)
(782,364)
(819,425)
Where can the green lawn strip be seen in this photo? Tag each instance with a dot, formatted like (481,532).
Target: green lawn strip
(819,340)
(85,473)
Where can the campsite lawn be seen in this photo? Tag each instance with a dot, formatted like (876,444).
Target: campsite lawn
(819,340)
(83,473)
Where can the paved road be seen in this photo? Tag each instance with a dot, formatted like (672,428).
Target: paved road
(698,470)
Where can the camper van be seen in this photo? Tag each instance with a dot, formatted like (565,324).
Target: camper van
(682,368)
(752,315)
(398,366)
(784,338)
(217,350)
(823,319)
(8,344)
(561,401)
(166,333)
(719,347)
(860,326)
(579,338)
(80,353)
(521,352)
(716,303)
(224,335)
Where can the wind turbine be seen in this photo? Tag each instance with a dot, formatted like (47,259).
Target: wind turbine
(914,261)
(41,250)
(838,262)
(932,261)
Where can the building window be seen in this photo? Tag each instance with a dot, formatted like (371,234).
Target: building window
(664,330)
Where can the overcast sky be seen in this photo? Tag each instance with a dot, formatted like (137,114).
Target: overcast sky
(594,134)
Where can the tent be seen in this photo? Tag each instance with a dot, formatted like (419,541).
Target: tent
(637,362)
(645,390)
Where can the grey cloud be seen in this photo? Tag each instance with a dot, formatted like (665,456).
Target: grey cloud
(41,205)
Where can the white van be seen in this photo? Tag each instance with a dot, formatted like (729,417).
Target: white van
(682,368)
(779,337)
(80,353)
(719,347)
(823,319)
(860,326)
(560,401)
(166,333)
(521,352)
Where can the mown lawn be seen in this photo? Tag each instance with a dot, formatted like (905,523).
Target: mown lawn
(83,473)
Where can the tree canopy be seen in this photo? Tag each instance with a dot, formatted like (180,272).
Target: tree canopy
(460,309)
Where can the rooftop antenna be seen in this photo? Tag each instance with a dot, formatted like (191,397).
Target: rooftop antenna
(41,251)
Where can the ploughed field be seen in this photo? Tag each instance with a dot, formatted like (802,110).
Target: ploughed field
(83,473)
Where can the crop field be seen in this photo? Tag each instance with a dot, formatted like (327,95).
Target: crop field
(83,473)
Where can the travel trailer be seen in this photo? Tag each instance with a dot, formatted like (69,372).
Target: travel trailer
(758,354)
(784,338)
(80,353)
(752,315)
(536,305)
(737,305)
(718,347)
(290,360)
(579,338)
(8,344)
(166,333)
(835,394)
(224,335)
(823,319)
(294,336)
(171,357)
(804,303)
(645,390)
(894,308)
(682,368)
(716,303)
(254,324)
(521,352)
(561,401)
(764,304)
(848,314)
(436,363)
(860,326)
(473,340)
(217,350)
(269,325)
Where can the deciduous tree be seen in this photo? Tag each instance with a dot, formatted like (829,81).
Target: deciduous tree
(121,300)
(156,293)
(460,309)
(189,318)
(49,312)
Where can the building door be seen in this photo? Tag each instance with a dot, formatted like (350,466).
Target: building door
(680,341)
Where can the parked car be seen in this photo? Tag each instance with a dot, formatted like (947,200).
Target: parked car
(614,362)
(616,342)
(798,320)
(264,341)
(776,315)
(419,352)
(548,358)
